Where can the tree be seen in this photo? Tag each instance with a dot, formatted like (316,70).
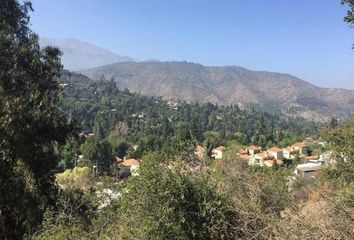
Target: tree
(168,203)
(349,18)
(333,123)
(99,153)
(341,143)
(31,126)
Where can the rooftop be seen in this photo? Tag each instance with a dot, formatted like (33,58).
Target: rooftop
(309,167)
(253,147)
(130,162)
(274,149)
(299,144)
(220,148)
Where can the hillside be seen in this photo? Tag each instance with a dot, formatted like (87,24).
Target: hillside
(79,55)
(275,92)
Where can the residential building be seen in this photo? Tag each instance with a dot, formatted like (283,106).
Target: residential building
(251,150)
(132,165)
(276,152)
(308,171)
(200,151)
(259,158)
(218,152)
(301,147)
(289,153)
(273,162)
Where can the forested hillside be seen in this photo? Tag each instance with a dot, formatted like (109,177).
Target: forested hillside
(150,122)
(274,92)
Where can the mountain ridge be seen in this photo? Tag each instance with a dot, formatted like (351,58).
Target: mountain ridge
(276,92)
(79,55)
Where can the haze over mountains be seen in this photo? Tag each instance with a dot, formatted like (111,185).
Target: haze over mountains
(79,55)
(274,92)
(270,91)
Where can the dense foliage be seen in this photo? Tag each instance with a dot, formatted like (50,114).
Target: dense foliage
(30,125)
(126,119)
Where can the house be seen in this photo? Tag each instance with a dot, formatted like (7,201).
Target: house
(313,159)
(243,156)
(200,151)
(259,158)
(242,151)
(326,158)
(173,105)
(118,159)
(272,163)
(276,152)
(251,150)
(309,140)
(308,171)
(217,153)
(132,165)
(289,153)
(301,147)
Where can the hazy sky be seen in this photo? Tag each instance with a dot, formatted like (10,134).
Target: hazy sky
(306,38)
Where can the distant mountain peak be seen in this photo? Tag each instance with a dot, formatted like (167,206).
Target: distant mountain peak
(79,55)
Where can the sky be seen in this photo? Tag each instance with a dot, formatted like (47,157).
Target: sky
(305,38)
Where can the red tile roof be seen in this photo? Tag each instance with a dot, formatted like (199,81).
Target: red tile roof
(253,147)
(263,155)
(270,163)
(299,144)
(130,162)
(245,157)
(242,151)
(119,160)
(289,149)
(274,149)
(220,148)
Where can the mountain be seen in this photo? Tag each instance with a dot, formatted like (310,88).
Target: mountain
(275,92)
(78,55)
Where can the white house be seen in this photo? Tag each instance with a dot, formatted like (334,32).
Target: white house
(308,170)
(259,158)
(289,153)
(301,147)
(218,152)
(276,152)
(133,166)
(251,150)
(326,158)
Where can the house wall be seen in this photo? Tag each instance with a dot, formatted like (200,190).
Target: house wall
(287,154)
(255,161)
(277,155)
(217,154)
(308,175)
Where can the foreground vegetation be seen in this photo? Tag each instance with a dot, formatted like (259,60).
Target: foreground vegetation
(224,200)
